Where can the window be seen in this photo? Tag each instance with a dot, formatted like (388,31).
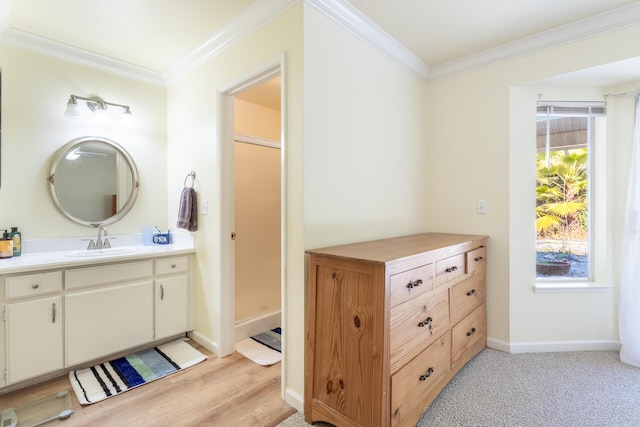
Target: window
(564,196)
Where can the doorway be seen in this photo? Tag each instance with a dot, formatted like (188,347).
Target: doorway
(226,322)
(257,209)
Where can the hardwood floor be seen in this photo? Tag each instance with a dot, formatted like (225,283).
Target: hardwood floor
(232,391)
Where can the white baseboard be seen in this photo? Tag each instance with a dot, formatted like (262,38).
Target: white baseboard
(498,345)
(294,399)
(552,346)
(246,328)
(204,341)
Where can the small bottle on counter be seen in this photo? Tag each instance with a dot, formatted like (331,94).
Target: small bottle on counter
(16,236)
(6,245)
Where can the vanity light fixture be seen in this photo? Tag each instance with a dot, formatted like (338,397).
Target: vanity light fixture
(99,108)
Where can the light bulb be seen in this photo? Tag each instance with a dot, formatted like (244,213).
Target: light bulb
(72,108)
(100,114)
(127,118)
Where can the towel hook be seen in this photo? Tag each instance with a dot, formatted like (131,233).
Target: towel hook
(192,174)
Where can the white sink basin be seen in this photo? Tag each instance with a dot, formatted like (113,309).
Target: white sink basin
(96,253)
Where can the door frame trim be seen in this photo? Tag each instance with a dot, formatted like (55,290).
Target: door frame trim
(225,325)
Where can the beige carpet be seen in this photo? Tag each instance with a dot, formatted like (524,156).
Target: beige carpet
(496,389)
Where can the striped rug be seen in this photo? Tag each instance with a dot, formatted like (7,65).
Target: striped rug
(108,379)
(272,339)
(263,349)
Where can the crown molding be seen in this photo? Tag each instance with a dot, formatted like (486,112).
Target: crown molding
(252,18)
(579,30)
(362,27)
(79,56)
(342,13)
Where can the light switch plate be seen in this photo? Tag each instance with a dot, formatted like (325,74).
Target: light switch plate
(482,207)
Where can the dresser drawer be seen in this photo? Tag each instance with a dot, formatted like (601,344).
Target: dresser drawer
(33,284)
(91,276)
(476,258)
(467,295)
(469,335)
(410,284)
(416,321)
(414,387)
(449,268)
(177,264)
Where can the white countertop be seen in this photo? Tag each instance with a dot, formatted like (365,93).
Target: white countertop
(33,261)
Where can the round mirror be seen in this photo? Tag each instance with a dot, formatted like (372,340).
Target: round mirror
(93,181)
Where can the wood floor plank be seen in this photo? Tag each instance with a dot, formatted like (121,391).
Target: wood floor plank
(231,391)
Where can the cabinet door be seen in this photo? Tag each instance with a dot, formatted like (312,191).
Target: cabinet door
(172,300)
(34,338)
(106,320)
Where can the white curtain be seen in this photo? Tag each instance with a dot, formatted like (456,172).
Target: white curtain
(630,277)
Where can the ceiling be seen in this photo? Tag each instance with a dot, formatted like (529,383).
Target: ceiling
(153,34)
(156,35)
(441,31)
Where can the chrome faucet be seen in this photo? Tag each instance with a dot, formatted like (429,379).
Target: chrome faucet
(99,242)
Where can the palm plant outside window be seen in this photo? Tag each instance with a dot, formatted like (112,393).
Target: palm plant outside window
(563,189)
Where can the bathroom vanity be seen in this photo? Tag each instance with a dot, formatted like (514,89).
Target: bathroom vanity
(72,302)
(65,309)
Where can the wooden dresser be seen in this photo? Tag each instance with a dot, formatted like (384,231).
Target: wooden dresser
(389,323)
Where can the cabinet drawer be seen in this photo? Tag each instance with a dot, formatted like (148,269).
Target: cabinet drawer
(411,284)
(171,265)
(414,387)
(467,335)
(449,268)
(418,320)
(476,258)
(467,295)
(33,284)
(91,276)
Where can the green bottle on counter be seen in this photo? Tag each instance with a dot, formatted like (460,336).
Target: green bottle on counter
(16,236)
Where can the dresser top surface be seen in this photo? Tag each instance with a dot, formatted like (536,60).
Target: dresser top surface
(386,250)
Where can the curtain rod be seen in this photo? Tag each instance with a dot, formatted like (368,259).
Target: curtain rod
(634,92)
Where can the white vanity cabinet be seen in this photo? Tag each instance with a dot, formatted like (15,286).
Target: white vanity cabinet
(33,325)
(107,309)
(57,319)
(172,297)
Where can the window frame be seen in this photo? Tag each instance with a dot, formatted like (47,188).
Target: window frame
(596,147)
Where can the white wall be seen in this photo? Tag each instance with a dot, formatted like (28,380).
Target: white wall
(365,140)
(35,90)
(480,148)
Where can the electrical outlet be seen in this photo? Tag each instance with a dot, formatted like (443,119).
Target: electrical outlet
(204,207)
(482,207)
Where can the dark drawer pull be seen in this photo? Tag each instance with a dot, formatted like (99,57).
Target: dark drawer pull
(414,284)
(426,375)
(425,322)
(471,293)
(478,259)
(471,332)
(35,286)
(451,269)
